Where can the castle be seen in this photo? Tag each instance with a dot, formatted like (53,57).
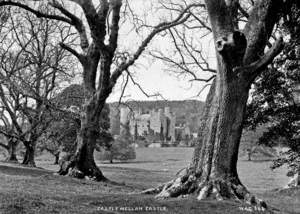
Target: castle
(153,125)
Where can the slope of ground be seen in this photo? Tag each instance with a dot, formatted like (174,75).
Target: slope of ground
(24,190)
(27,190)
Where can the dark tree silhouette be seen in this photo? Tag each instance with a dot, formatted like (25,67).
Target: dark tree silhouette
(101,62)
(275,99)
(241,58)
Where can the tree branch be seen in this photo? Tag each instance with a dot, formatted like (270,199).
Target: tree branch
(9,110)
(204,80)
(76,22)
(259,28)
(36,12)
(79,56)
(221,17)
(181,18)
(114,27)
(4,146)
(141,88)
(256,67)
(96,20)
(243,11)
(123,88)
(72,19)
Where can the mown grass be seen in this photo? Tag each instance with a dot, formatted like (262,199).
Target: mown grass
(28,190)
(38,191)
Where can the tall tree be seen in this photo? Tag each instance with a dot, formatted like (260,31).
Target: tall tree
(9,142)
(31,67)
(60,136)
(241,57)
(98,31)
(7,129)
(274,102)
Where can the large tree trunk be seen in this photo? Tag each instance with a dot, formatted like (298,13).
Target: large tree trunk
(30,150)
(213,169)
(56,155)
(28,159)
(12,147)
(82,163)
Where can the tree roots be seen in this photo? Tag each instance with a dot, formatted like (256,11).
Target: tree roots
(71,168)
(219,189)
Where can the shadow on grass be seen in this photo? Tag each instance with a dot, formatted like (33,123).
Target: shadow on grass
(19,170)
(128,162)
(257,161)
(24,171)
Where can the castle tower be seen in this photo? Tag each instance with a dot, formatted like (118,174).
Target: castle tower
(124,120)
(160,112)
(167,111)
(114,116)
(171,124)
(124,115)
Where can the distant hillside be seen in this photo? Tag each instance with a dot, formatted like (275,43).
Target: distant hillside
(177,107)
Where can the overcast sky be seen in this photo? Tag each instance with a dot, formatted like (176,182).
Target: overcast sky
(155,79)
(152,75)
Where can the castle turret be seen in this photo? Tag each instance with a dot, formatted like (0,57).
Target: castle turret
(170,124)
(124,120)
(167,111)
(124,115)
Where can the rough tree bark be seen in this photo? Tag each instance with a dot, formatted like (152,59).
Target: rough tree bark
(12,147)
(56,155)
(82,163)
(100,56)
(31,141)
(28,158)
(213,169)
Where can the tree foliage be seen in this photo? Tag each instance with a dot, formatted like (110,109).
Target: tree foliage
(273,100)
(122,147)
(62,133)
(32,65)
(97,25)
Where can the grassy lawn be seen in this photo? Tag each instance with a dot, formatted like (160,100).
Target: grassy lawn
(27,190)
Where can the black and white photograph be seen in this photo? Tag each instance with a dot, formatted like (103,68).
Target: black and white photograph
(149,106)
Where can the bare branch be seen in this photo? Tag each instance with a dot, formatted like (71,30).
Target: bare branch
(243,11)
(76,22)
(123,88)
(96,20)
(2,144)
(259,28)
(141,88)
(204,80)
(79,56)
(181,18)
(114,27)
(202,89)
(36,12)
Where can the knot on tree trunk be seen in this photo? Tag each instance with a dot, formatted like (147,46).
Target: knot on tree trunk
(232,47)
